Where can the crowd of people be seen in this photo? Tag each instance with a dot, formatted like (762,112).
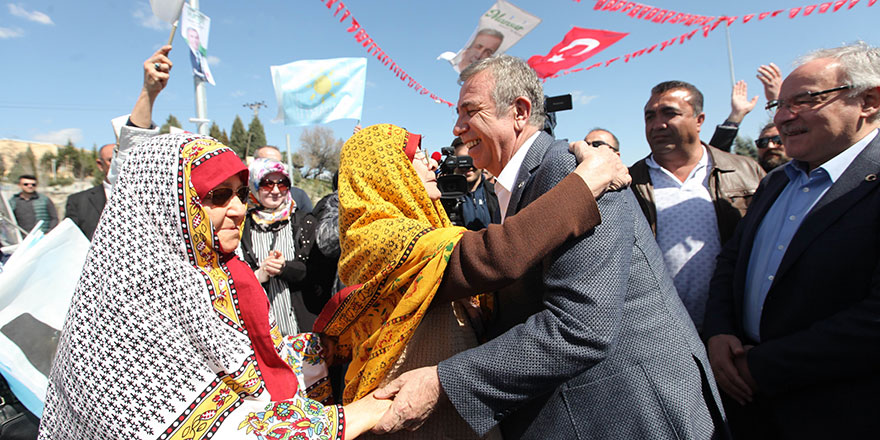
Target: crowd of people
(697,294)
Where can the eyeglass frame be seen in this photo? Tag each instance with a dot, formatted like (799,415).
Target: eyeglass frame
(232,193)
(776,104)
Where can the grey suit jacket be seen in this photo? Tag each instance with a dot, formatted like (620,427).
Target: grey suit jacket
(607,349)
(85,208)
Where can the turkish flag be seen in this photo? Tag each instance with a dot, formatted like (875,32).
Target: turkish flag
(578,45)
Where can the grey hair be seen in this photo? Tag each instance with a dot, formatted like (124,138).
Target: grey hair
(491,32)
(859,62)
(513,79)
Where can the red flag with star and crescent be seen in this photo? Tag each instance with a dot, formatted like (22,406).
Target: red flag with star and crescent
(578,45)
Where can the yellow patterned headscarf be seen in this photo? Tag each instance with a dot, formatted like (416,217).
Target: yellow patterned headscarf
(396,242)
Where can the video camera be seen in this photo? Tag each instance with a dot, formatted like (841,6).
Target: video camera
(453,186)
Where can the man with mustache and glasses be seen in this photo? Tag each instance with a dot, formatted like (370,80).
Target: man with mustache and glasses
(794,303)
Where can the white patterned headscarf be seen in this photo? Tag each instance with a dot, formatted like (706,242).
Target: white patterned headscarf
(152,346)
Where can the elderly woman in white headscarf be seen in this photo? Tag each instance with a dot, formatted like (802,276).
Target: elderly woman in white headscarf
(168,334)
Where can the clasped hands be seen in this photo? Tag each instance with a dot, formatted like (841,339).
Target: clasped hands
(727,356)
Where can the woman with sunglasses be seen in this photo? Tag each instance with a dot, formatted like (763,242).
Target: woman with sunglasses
(410,275)
(168,334)
(275,244)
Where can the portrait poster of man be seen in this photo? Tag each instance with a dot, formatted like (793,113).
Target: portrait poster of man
(498,30)
(195,28)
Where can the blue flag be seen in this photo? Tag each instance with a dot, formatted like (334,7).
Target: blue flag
(318,91)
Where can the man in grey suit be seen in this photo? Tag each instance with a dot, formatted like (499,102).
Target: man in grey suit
(595,342)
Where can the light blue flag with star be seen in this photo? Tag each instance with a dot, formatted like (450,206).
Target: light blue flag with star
(318,91)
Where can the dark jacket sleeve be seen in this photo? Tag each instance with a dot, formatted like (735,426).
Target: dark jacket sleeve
(723,137)
(476,266)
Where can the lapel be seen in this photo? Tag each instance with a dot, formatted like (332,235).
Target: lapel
(856,182)
(97,198)
(527,170)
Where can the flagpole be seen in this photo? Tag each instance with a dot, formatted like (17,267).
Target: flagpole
(730,57)
(289,159)
(201,93)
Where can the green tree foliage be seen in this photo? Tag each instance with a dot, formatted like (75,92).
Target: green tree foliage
(320,149)
(256,135)
(218,134)
(170,122)
(238,137)
(744,146)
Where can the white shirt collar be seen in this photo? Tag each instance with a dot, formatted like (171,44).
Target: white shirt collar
(507,178)
(705,162)
(509,173)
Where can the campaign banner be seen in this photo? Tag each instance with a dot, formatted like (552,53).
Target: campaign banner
(319,91)
(502,26)
(578,45)
(36,287)
(195,28)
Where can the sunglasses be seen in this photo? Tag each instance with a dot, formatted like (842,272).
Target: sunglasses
(221,196)
(282,184)
(597,143)
(28,184)
(763,142)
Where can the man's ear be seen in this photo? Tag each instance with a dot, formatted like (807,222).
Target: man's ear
(522,111)
(870,102)
(700,119)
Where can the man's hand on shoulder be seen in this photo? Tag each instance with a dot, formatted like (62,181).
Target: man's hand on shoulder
(416,394)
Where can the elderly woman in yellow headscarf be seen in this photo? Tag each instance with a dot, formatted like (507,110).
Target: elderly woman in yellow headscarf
(404,259)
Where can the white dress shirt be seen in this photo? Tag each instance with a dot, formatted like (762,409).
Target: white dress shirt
(505,181)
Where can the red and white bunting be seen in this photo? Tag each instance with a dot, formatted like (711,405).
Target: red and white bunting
(363,38)
(659,47)
(660,15)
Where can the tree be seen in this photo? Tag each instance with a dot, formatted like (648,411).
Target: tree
(744,146)
(170,122)
(238,138)
(320,150)
(218,134)
(256,135)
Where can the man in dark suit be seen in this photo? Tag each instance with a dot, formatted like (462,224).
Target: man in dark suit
(594,342)
(85,207)
(794,304)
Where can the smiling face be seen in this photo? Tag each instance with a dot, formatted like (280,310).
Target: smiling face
(226,218)
(490,138)
(272,197)
(425,169)
(820,132)
(670,122)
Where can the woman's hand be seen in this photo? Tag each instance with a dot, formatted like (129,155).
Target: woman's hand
(600,168)
(361,415)
(271,266)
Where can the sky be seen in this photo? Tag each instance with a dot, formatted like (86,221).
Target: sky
(70,67)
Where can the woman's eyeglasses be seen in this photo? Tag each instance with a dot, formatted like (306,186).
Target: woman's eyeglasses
(282,184)
(221,196)
(765,141)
